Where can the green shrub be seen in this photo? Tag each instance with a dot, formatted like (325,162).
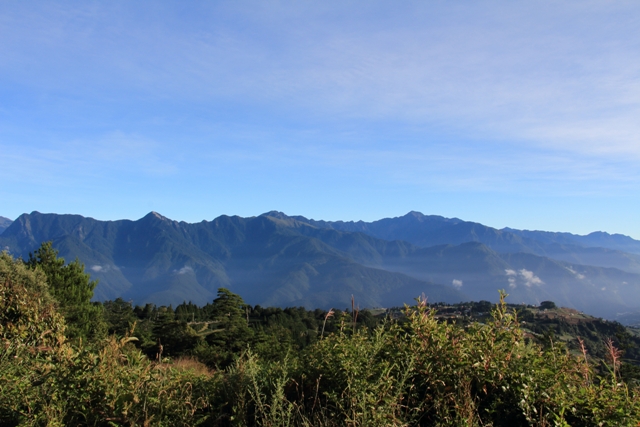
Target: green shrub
(47,381)
(28,315)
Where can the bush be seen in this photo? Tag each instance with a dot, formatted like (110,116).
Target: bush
(47,381)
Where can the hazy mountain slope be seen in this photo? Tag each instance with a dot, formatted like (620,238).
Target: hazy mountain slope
(431,230)
(600,257)
(600,239)
(4,223)
(599,291)
(479,271)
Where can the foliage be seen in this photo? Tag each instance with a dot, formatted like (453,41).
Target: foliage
(117,385)
(27,311)
(547,305)
(48,381)
(30,327)
(72,289)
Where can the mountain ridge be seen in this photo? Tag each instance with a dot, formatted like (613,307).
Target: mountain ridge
(275,259)
(430,230)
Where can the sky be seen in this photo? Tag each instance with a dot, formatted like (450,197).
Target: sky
(513,114)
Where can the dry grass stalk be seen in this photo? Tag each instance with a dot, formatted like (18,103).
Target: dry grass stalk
(585,366)
(329,314)
(613,357)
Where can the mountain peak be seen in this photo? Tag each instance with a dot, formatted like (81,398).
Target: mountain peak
(415,214)
(599,234)
(156,215)
(276,214)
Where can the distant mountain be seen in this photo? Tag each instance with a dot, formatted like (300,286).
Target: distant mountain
(159,260)
(4,223)
(277,260)
(598,239)
(430,230)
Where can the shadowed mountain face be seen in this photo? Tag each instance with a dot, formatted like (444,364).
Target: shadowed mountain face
(4,223)
(264,259)
(276,260)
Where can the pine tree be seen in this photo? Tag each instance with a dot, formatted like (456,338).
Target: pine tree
(231,333)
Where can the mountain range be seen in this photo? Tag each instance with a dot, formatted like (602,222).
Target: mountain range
(279,260)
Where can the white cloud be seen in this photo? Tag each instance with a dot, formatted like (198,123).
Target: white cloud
(184,270)
(103,268)
(575,273)
(526,277)
(529,278)
(457,283)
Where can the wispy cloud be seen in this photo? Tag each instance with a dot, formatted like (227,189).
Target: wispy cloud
(79,159)
(103,268)
(184,270)
(535,75)
(575,273)
(456,283)
(523,277)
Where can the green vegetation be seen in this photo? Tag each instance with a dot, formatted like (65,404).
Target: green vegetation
(230,364)
(72,288)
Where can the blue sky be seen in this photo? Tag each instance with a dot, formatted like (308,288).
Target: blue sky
(518,114)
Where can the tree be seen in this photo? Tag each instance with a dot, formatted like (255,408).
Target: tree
(547,305)
(231,333)
(119,316)
(72,288)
